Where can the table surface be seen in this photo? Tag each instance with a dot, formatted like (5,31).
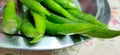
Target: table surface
(91,47)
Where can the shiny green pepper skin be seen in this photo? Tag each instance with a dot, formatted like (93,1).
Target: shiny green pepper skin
(35,6)
(11,21)
(40,25)
(28,28)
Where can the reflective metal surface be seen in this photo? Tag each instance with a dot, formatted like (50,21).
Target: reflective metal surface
(101,11)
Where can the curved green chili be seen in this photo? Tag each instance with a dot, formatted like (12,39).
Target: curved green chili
(40,25)
(35,6)
(57,8)
(11,21)
(27,27)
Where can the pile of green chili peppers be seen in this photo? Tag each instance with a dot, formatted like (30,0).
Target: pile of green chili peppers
(54,17)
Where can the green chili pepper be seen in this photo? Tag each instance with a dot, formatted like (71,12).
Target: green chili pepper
(90,18)
(67,28)
(57,8)
(99,32)
(76,12)
(57,19)
(80,28)
(35,6)
(27,27)
(11,21)
(86,17)
(40,25)
(66,4)
(61,20)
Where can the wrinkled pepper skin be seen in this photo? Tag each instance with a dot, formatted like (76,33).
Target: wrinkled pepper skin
(27,27)
(35,6)
(58,9)
(40,25)
(67,28)
(11,21)
(66,4)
